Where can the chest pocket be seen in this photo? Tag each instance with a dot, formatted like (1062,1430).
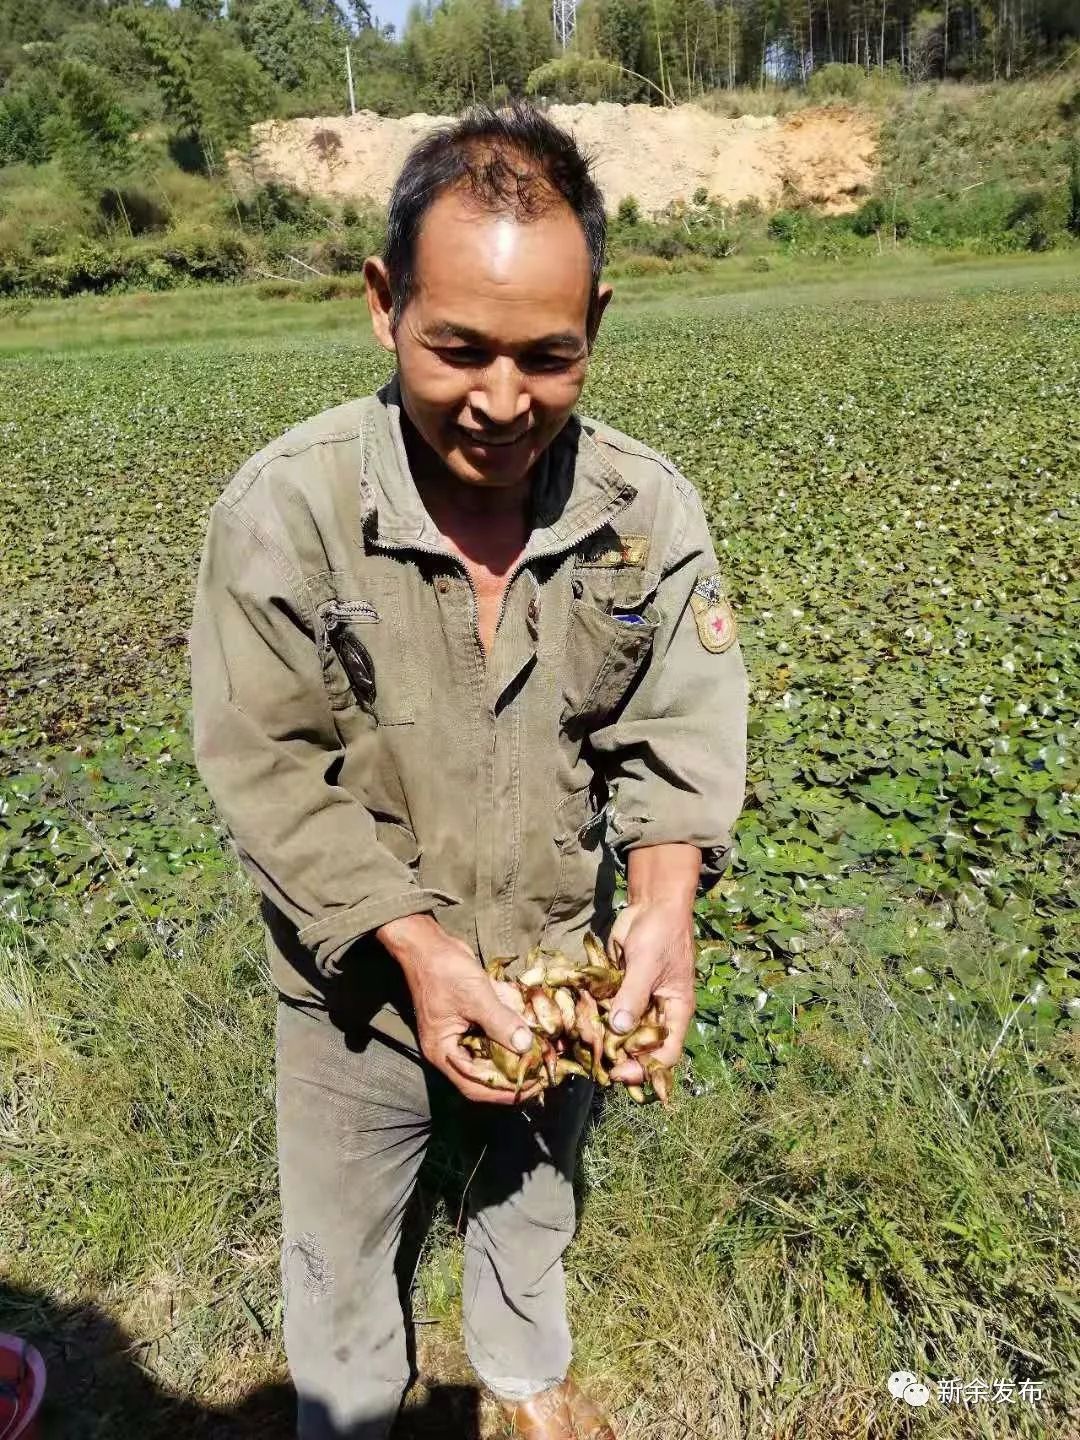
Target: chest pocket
(366,663)
(605,650)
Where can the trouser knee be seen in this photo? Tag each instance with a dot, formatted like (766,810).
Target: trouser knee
(346,1347)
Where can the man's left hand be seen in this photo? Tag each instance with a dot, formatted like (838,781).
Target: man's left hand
(657,942)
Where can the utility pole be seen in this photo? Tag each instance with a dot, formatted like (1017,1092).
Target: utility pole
(348,71)
(563,16)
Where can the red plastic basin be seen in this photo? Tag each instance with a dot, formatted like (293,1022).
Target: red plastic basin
(22,1388)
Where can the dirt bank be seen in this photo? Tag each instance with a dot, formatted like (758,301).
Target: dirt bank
(825,156)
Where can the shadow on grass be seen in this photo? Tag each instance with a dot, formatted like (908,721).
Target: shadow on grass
(98,1389)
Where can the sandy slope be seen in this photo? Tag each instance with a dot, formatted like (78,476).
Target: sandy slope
(827,156)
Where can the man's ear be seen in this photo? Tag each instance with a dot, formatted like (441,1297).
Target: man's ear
(380,301)
(596,311)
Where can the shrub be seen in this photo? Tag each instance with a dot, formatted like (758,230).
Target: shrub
(137,212)
(269,206)
(836,80)
(629,212)
(345,253)
(1030,221)
(23,117)
(91,131)
(785,225)
(853,84)
(205,254)
(158,263)
(643,266)
(877,214)
(575,79)
(992,218)
(664,244)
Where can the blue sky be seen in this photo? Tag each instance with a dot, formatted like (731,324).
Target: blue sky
(392,12)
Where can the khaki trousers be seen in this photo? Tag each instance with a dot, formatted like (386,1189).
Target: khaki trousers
(353,1125)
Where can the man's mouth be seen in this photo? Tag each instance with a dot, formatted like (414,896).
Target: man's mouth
(491,442)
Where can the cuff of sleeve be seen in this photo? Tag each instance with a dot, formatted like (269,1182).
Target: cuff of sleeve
(714,858)
(334,933)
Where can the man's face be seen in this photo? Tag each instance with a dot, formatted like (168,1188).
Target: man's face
(493,345)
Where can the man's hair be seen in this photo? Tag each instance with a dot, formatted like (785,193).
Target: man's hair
(512,160)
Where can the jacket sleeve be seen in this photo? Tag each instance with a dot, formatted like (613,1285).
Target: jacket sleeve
(267,749)
(675,757)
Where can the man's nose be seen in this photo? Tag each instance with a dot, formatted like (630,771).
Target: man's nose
(502,398)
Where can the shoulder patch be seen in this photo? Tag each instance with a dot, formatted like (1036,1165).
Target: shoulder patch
(713,614)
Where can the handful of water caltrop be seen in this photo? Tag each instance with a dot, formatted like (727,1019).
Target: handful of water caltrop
(567,1006)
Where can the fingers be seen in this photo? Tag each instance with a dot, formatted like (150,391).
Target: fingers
(510,994)
(500,1023)
(677,1011)
(479,1080)
(628,1072)
(619,931)
(632,998)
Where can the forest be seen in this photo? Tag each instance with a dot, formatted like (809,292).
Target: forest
(117,120)
(79,73)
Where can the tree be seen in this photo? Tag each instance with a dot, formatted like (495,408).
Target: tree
(206,10)
(576,79)
(537,34)
(90,131)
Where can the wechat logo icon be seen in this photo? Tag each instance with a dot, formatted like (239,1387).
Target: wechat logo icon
(903,1385)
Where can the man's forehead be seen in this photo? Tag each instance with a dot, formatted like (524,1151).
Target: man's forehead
(484,277)
(463,247)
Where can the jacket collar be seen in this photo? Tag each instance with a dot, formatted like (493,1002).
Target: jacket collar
(576,491)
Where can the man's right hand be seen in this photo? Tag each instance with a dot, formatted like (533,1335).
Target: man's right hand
(451,994)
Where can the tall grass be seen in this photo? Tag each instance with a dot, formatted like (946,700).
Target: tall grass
(944,139)
(905,1194)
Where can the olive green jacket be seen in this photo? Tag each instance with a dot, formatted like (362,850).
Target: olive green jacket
(369,761)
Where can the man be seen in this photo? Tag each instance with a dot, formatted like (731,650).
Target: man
(457,653)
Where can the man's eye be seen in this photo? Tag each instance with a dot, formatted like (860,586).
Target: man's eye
(547,362)
(463,355)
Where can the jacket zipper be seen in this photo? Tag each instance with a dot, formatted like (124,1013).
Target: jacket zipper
(546,554)
(515,570)
(338,610)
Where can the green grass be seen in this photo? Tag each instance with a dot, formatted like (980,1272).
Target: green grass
(878,1164)
(904,1195)
(227,314)
(942,138)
